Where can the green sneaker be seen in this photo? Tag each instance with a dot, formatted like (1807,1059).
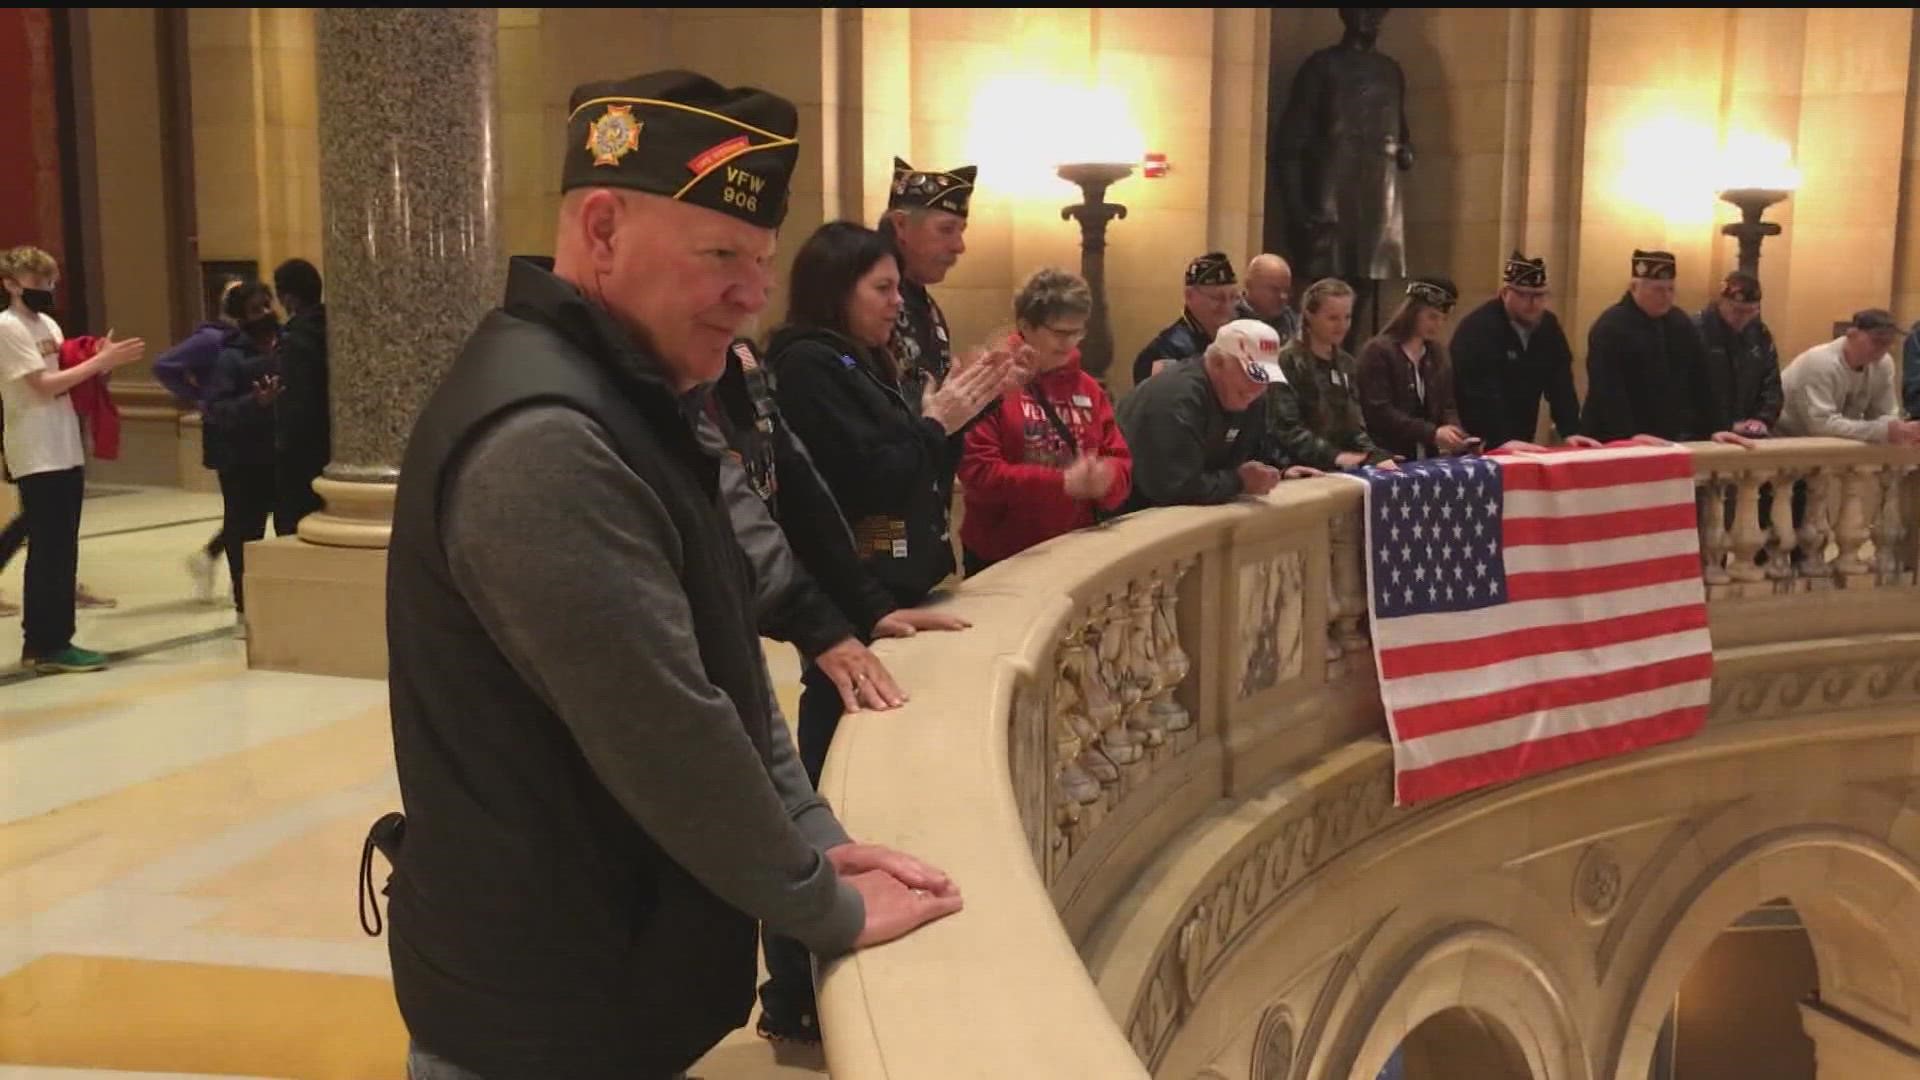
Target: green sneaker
(71,658)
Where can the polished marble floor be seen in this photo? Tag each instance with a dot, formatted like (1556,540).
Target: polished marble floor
(179,841)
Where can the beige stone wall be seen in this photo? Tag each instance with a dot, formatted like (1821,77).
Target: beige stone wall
(135,277)
(256,149)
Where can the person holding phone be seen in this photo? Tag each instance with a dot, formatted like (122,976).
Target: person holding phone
(1406,380)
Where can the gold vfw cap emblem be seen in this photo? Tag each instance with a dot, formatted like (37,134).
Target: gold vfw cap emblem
(615,135)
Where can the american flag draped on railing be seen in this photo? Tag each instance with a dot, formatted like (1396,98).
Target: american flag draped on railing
(1534,610)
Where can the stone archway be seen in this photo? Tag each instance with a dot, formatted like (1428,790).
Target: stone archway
(1860,902)
(1461,1042)
(1474,989)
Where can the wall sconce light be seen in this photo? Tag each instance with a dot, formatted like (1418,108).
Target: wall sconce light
(1093,213)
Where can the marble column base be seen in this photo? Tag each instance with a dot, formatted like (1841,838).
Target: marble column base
(356,515)
(317,609)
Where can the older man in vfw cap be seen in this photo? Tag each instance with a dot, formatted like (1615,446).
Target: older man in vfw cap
(1742,362)
(1211,296)
(599,806)
(1646,363)
(1510,352)
(926,219)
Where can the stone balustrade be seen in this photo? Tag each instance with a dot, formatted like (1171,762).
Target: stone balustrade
(1163,731)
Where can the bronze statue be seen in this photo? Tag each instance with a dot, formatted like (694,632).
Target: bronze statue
(1337,153)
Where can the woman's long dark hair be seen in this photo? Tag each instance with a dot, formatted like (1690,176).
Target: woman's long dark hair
(825,271)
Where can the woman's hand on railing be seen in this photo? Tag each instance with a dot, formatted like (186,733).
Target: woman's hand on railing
(907,622)
(1729,438)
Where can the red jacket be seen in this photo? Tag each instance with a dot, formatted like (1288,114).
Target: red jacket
(1014,460)
(92,401)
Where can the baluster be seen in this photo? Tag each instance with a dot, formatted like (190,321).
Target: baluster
(1860,488)
(1780,549)
(1349,584)
(1713,531)
(1748,538)
(1816,530)
(1890,529)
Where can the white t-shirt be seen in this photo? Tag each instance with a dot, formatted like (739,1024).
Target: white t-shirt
(43,433)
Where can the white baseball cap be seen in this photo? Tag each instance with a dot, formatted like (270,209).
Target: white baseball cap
(1255,346)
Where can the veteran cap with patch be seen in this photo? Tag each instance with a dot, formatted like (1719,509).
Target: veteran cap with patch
(685,137)
(1654,265)
(914,189)
(1435,292)
(1524,273)
(1213,268)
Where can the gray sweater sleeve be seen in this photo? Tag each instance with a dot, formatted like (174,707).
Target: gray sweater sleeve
(572,564)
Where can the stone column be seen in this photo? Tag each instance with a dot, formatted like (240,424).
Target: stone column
(409,185)
(409,182)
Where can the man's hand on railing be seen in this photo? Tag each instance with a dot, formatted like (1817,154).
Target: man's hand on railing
(901,893)
(863,681)
(906,622)
(1730,438)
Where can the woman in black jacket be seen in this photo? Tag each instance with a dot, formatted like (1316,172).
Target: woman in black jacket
(236,440)
(839,391)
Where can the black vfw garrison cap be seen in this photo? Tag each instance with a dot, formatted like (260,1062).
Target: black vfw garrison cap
(1213,268)
(1654,265)
(686,137)
(912,189)
(1524,273)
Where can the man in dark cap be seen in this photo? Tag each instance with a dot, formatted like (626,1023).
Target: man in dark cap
(926,219)
(1510,352)
(1845,388)
(1646,364)
(1212,293)
(1742,362)
(599,803)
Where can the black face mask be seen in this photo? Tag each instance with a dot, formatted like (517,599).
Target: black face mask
(38,300)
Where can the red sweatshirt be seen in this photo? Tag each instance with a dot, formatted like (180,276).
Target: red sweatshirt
(92,401)
(1015,461)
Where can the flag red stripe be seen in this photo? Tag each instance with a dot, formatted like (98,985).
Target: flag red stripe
(1423,720)
(1559,584)
(1411,660)
(1615,525)
(1557,752)
(1574,475)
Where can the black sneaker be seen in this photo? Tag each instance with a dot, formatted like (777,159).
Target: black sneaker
(802,1028)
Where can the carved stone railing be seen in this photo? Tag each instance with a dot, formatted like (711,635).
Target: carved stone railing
(1854,504)
(1162,730)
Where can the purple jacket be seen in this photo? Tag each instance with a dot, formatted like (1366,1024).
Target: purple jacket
(184,369)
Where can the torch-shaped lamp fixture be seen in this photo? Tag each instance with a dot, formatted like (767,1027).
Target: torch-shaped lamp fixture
(1093,213)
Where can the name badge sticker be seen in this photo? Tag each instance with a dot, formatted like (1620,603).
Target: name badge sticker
(1083,401)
